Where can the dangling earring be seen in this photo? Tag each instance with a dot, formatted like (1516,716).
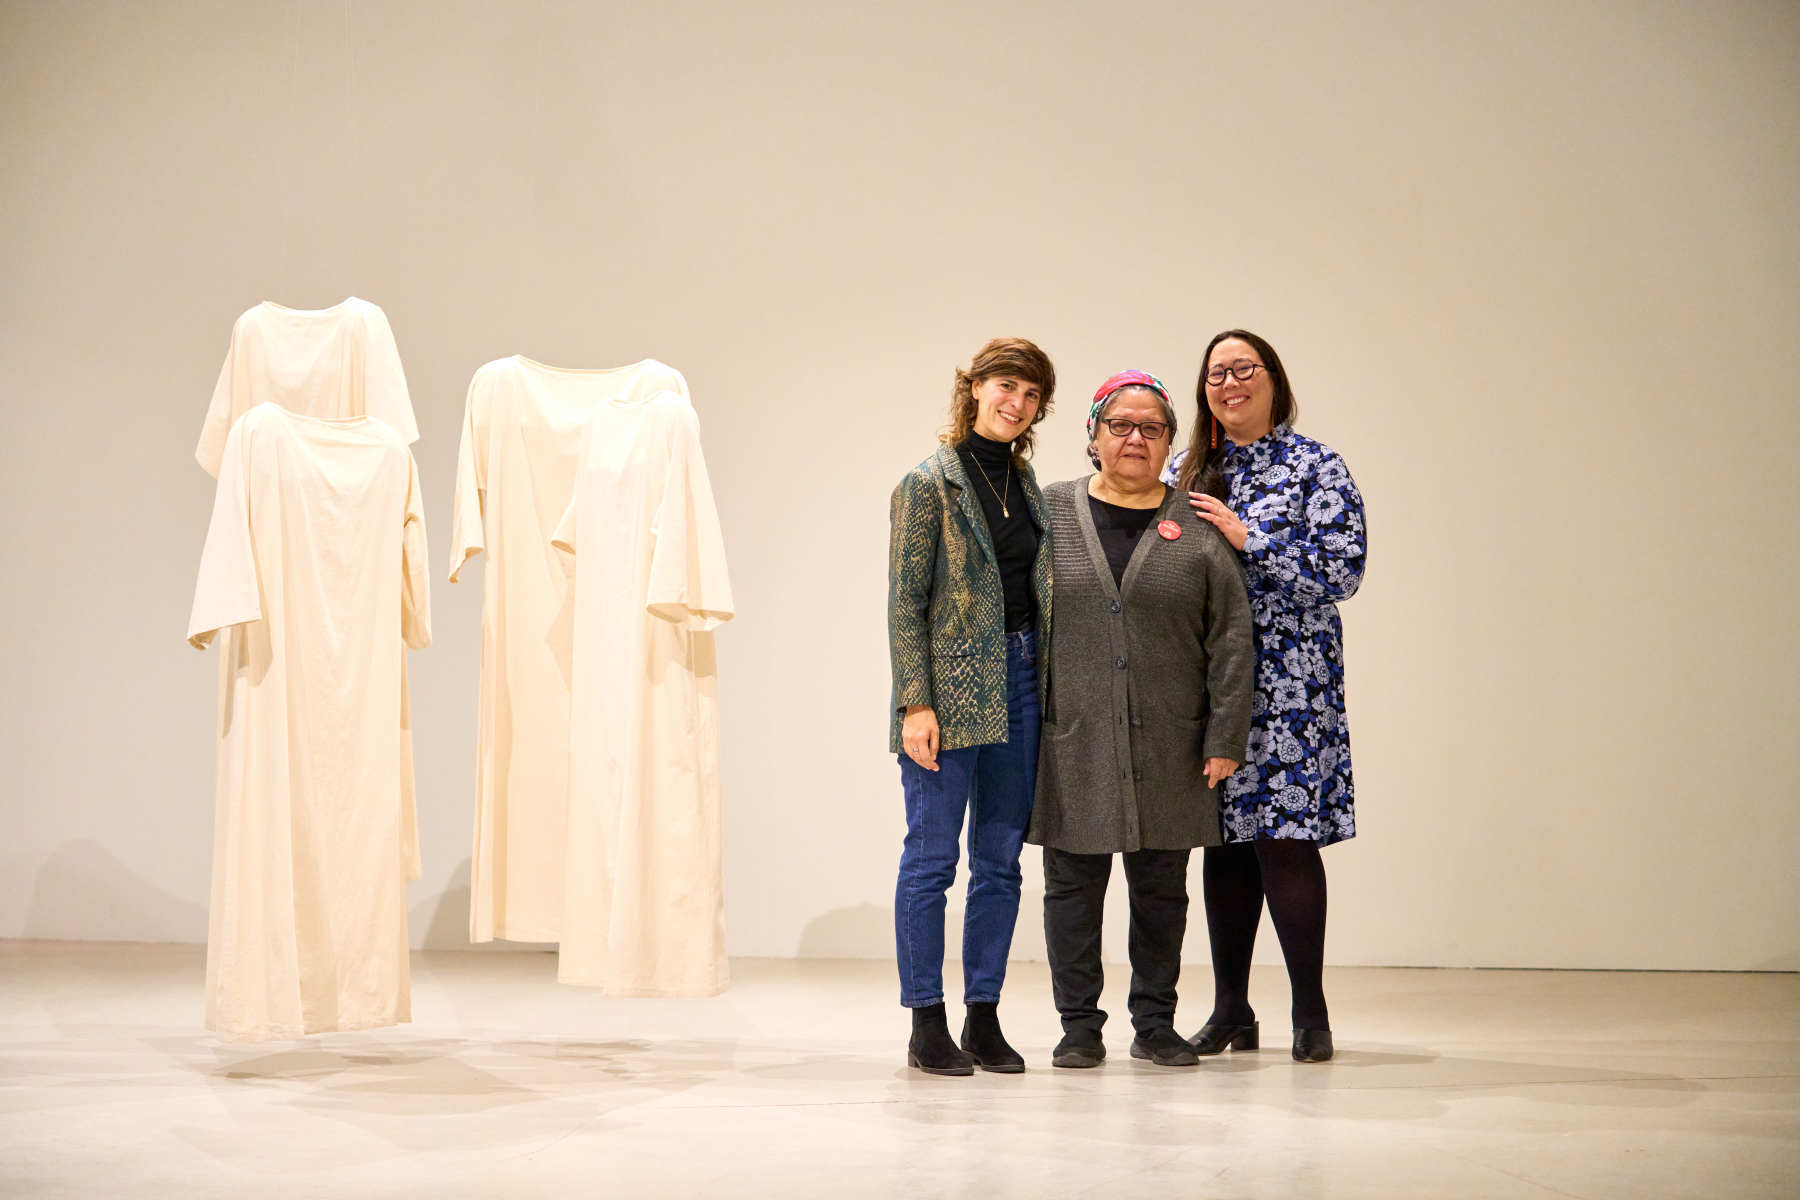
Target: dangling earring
(1213,423)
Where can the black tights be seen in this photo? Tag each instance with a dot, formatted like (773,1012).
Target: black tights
(1235,878)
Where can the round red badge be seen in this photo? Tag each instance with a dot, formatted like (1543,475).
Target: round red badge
(1169,530)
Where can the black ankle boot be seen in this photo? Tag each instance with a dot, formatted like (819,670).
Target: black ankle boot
(1214,1038)
(985,1043)
(1312,1045)
(931,1049)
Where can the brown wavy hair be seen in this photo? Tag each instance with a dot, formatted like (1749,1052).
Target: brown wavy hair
(1002,356)
(1200,470)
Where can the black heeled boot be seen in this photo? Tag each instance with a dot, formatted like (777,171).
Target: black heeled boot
(1312,1045)
(931,1049)
(1213,1039)
(982,1039)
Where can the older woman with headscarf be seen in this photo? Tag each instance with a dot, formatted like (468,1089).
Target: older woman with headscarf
(1151,670)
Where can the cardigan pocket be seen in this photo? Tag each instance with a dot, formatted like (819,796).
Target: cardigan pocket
(1172,752)
(1067,771)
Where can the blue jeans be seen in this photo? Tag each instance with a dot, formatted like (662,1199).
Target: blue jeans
(996,783)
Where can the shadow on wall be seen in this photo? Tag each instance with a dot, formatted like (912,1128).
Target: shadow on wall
(441,921)
(860,931)
(84,892)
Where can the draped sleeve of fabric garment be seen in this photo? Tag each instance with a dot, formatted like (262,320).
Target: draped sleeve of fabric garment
(467,534)
(333,363)
(415,563)
(415,632)
(228,592)
(689,584)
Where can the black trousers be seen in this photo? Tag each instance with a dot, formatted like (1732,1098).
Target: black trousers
(1074,899)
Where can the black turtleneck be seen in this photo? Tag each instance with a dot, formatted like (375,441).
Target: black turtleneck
(989,467)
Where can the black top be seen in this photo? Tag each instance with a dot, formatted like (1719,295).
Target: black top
(1119,529)
(1015,535)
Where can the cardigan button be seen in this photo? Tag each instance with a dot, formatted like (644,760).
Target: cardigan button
(1119,663)
(1116,606)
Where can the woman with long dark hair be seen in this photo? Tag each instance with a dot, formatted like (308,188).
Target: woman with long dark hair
(1289,508)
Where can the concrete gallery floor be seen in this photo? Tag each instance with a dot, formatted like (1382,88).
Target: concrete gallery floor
(1446,1084)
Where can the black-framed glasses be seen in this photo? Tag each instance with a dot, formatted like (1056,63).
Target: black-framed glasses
(1153,431)
(1242,372)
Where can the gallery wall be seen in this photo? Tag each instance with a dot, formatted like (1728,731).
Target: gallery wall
(1532,267)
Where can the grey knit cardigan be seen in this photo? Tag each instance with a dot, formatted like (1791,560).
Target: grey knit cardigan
(1146,682)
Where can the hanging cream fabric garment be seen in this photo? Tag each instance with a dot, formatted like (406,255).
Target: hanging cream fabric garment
(330,362)
(645,912)
(315,569)
(516,474)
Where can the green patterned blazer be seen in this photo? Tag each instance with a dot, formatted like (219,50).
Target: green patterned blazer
(946,613)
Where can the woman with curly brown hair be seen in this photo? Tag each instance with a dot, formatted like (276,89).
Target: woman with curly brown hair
(968,617)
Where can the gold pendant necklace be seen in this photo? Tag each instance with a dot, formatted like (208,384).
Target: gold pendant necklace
(997,494)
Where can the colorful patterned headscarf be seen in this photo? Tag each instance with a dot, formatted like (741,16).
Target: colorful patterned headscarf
(1124,379)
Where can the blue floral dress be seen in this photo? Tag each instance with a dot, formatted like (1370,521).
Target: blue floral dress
(1304,553)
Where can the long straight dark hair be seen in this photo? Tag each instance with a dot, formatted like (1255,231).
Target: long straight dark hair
(1201,470)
